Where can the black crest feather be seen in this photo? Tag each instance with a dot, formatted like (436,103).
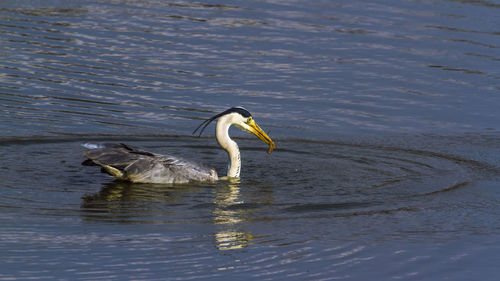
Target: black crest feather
(237,109)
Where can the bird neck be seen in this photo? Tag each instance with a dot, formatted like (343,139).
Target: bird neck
(222,134)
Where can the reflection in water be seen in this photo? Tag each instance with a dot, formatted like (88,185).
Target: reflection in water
(127,192)
(135,203)
(386,112)
(132,203)
(229,218)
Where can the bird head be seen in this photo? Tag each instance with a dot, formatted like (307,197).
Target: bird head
(242,119)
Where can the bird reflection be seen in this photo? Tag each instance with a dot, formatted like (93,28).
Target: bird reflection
(228,216)
(122,191)
(126,202)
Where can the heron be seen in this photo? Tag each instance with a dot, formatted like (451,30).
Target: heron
(130,164)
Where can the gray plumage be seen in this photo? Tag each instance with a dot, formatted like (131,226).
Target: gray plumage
(130,164)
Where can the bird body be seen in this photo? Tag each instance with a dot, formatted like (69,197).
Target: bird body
(130,164)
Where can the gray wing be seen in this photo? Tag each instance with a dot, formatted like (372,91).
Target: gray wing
(127,163)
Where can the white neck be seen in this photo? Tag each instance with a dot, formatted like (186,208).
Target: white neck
(222,134)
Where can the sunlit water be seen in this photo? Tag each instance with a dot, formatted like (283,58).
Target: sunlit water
(385,116)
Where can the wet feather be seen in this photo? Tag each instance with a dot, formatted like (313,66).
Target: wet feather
(131,164)
(127,163)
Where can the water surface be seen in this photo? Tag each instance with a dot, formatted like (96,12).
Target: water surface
(384,115)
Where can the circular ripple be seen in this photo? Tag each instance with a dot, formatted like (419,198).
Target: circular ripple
(309,203)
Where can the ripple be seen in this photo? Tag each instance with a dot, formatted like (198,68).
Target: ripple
(179,54)
(349,175)
(315,210)
(382,115)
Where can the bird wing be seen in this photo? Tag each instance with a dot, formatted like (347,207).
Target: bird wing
(128,163)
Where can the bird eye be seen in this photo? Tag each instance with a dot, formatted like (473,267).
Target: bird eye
(249,120)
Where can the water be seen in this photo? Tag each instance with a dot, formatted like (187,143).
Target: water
(385,115)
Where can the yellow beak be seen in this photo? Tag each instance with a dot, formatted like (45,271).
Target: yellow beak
(256,130)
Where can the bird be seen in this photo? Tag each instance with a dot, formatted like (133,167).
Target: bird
(134,165)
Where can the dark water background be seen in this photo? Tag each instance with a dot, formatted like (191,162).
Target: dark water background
(385,114)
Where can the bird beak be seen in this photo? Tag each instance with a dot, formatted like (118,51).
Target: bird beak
(256,130)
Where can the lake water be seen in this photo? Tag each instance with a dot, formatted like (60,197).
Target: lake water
(385,115)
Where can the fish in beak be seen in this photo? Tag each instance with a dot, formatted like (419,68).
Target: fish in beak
(256,130)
